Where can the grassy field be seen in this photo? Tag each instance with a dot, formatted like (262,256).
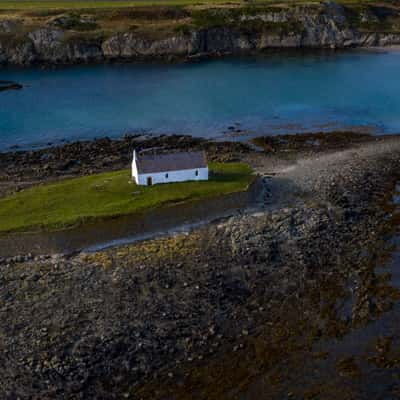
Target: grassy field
(75,201)
(31,5)
(93,4)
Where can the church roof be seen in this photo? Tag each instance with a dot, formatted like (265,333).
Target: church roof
(151,163)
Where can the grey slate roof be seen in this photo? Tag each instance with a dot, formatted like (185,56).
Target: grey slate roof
(151,163)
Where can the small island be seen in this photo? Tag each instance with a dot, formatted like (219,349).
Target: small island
(9,85)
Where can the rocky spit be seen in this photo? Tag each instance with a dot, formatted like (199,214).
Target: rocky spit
(9,85)
(199,314)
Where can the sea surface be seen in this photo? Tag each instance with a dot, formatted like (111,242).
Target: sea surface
(270,94)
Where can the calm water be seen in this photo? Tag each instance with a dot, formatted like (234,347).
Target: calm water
(270,94)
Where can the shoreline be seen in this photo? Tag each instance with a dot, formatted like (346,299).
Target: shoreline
(232,133)
(20,169)
(205,57)
(58,131)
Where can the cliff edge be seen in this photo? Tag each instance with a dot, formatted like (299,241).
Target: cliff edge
(166,32)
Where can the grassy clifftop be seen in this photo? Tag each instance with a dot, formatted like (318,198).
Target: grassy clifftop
(75,201)
(68,31)
(98,4)
(152,16)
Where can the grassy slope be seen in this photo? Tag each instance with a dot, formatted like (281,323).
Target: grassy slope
(98,4)
(74,201)
(157,19)
(23,5)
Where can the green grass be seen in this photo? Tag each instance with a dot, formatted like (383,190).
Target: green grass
(100,4)
(25,5)
(75,201)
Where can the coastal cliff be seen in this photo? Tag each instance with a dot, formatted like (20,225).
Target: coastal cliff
(67,38)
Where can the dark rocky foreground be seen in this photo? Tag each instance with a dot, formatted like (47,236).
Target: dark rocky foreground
(200,315)
(185,33)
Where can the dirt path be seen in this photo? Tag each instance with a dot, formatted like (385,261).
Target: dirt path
(291,181)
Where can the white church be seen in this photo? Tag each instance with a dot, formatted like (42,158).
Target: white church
(151,169)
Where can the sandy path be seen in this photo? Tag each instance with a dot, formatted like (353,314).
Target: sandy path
(291,181)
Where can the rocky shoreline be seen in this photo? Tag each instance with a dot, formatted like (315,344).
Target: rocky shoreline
(176,33)
(20,169)
(201,314)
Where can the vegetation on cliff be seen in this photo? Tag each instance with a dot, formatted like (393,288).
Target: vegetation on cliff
(99,4)
(59,32)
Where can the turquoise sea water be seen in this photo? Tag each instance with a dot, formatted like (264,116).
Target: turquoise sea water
(270,94)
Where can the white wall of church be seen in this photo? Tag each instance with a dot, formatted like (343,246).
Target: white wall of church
(170,176)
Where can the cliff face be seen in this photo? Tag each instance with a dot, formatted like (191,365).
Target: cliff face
(219,32)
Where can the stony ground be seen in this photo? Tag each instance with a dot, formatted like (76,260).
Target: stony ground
(198,315)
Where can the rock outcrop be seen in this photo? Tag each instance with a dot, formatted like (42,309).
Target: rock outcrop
(9,85)
(220,32)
